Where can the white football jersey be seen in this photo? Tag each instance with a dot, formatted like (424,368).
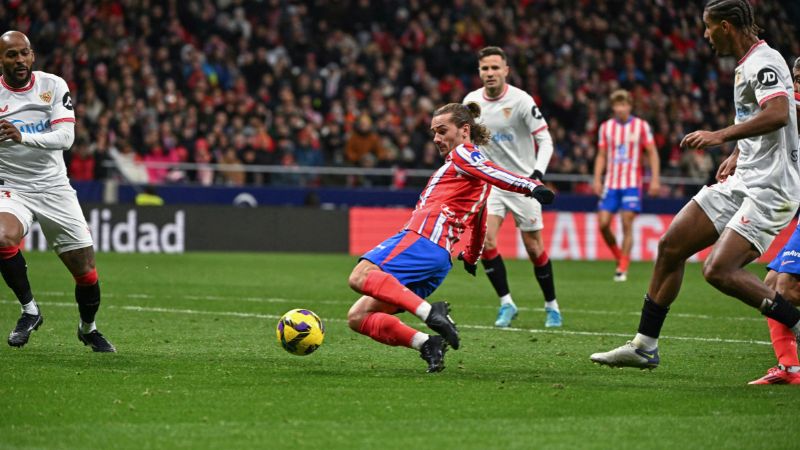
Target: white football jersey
(513,118)
(34,109)
(769,161)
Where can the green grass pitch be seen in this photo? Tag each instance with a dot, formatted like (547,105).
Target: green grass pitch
(199,366)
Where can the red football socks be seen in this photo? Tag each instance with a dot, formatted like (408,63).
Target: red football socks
(489,254)
(387,329)
(616,252)
(541,260)
(386,288)
(784,343)
(624,262)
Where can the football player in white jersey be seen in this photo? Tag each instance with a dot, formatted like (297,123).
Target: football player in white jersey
(742,214)
(515,123)
(37,124)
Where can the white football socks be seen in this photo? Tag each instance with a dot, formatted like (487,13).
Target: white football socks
(419,340)
(552,305)
(506,300)
(31,308)
(645,342)
(87,328)
(423,310)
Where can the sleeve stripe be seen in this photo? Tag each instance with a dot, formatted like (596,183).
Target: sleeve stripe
(771,96)
(479,167)
(540,129)
(64,119)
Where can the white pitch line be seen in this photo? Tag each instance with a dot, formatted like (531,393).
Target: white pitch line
(464,326)
(348,303)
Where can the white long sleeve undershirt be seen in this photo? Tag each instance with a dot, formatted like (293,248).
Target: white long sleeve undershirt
(59,139)
(544,145)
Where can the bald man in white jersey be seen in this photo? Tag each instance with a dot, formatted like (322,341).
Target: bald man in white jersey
(520,143)
(37,124)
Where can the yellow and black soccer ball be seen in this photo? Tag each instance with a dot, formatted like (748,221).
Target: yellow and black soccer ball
(300,332)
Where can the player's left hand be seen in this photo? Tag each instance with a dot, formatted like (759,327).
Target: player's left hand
(542,194)
(471,268)
(702,139)
(9,131)
(537,175)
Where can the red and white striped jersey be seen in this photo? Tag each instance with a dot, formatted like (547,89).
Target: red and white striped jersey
(624,144)
(455,195)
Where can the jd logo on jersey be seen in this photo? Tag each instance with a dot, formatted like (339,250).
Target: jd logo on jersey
(46,96)
(767,77)
(67,101)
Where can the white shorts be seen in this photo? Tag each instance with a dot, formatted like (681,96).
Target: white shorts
(527,211)
(57,211)
(758,215)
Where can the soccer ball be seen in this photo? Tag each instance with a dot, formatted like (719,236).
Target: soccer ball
(300,332)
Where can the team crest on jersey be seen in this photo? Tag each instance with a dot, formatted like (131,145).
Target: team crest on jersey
(46,96)
(507,112)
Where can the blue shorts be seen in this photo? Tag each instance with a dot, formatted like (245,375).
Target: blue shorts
(788,259)
(629,199)
(419,264)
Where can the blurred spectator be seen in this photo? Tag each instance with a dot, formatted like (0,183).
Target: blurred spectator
(697,164)
(129,164)
(82,163)
(364,145)
(233,174)
(357,73)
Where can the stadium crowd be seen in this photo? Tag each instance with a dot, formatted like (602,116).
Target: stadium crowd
(354,82)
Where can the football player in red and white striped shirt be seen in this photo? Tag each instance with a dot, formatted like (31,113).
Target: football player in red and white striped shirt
(621,141)
(398,274)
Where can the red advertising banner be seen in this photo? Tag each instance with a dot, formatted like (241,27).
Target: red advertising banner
(567,235)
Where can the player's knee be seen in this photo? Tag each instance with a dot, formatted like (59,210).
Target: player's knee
(355,317)
(668,247)
(490,243)
(357,278)
(9,237)
(534,249)
(789,287)
(771,280)
(627,227)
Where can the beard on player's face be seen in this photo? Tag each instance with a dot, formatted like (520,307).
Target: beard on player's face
(17,72)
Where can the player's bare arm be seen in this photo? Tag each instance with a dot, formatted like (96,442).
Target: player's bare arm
(773,116)
(655,170)
(599,167)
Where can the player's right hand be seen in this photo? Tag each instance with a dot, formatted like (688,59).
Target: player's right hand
(9,131)
(542,194)
(471,268)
